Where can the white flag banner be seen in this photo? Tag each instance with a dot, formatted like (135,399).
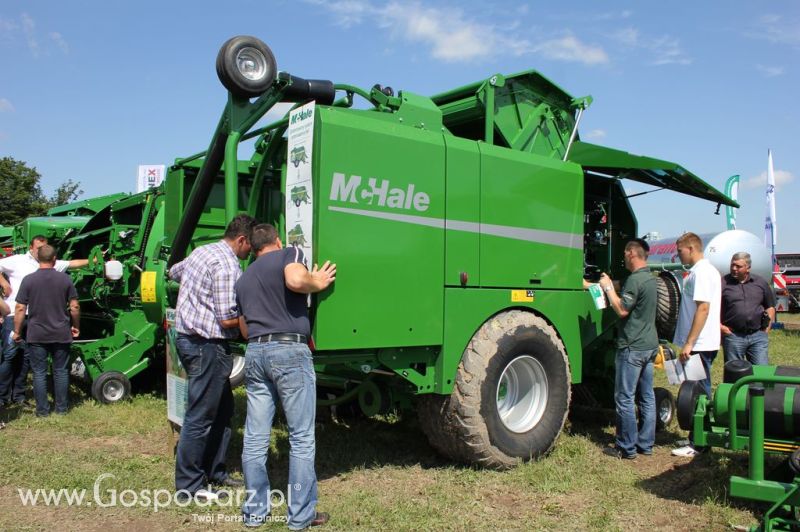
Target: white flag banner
(770,223)
(149,176)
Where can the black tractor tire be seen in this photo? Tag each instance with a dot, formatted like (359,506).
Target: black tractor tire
(668,304)
(237,371)
(665,408)
(467,425)
(111,387)
(688,394)
(229,74)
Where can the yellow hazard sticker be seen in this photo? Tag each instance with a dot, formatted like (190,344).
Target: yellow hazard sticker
(148,287)
(522,296)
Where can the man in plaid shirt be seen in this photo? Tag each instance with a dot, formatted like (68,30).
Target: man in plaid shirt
(206,317)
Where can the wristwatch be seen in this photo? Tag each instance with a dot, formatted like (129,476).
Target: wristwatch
(608,289)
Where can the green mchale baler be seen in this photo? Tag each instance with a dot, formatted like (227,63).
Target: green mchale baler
(462,225)
(757,409)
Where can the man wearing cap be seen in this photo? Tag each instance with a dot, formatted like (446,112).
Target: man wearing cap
(637,343)
(748,311)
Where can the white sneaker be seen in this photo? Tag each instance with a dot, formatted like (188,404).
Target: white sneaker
(205,495)
(687,451)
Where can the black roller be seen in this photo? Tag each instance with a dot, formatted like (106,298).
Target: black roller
(735,370)
(303,90)
(688,394)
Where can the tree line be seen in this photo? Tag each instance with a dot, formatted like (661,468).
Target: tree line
(21,194)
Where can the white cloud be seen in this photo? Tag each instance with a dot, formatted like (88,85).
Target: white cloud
(595,134)
(668,52)
(665,50)
(782,177)
(29,29)
(7,28)
(770,71)
(452,36)
(5,106)
(776,30)
(569,48)
(59,40)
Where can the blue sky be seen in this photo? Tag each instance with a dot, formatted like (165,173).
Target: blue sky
(91,89)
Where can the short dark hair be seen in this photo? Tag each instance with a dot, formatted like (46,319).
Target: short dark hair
(263,235)
(241,225)
(47,254)
(639,243)
(38,238)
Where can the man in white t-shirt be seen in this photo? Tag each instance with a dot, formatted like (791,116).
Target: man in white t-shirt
(697,331)
(14,365)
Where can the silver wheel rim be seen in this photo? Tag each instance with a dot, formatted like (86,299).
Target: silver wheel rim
(113,390)
(251,63)
(522,394)
(238,366)
(665,411)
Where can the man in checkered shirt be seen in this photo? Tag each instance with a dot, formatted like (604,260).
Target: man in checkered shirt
(206,317)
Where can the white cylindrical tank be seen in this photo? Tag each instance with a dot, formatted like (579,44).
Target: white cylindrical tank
(722,247)
(718,248)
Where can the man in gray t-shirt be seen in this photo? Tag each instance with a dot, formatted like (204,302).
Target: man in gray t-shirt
(51,303)
(637,342)
(272,298)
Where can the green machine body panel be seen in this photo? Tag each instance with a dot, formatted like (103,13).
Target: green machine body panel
(375,212)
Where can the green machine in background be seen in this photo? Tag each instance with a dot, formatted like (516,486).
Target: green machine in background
(757,409)
(462,225)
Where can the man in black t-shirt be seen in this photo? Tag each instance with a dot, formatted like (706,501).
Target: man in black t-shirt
(272,298)
(51,303)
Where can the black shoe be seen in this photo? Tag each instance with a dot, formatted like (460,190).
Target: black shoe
(229,482)
(320,519)
(616,452)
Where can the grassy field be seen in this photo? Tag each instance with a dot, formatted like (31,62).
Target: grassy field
(373,473)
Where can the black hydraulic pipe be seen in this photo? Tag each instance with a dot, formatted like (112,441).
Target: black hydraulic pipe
(198,198)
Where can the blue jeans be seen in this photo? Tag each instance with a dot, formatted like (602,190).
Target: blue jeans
(707,357)
(635,369)
(38,354)
(206,430)
(14,365)
(284,372)
(750,347)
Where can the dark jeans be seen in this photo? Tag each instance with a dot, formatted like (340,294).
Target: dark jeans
(752,347)
(707,357)
(38,354)
(14,365)
(206,429)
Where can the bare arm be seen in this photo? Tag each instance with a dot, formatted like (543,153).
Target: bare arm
(613,298)
(6,286)
(700,317)
(19,317)
(75,317)
(78,263)
(299,279)
(771,313)
(232,323)
(243,327)
(4,310)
